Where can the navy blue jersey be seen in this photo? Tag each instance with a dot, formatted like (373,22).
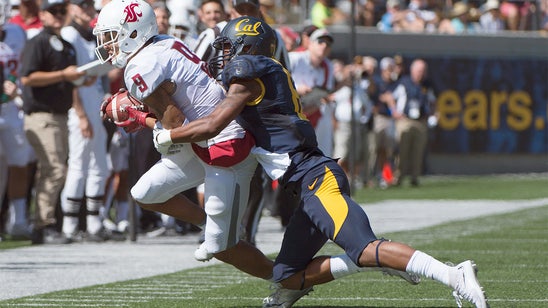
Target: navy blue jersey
(275,119)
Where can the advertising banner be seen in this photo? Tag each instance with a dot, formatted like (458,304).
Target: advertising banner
(489,105)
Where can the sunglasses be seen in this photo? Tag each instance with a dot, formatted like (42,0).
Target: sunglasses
(58,10)
(326,41)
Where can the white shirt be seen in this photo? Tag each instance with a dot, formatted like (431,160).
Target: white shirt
(197,94)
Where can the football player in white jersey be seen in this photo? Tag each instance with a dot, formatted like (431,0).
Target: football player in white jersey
(17,150)
(166,75)
(87,160)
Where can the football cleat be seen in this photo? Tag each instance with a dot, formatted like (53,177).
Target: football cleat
(201,254)
(467,286)
(413,279)
(283,297)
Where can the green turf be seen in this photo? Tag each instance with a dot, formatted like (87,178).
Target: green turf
(510,251)
(491,187)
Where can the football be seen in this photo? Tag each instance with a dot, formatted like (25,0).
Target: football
(115,108)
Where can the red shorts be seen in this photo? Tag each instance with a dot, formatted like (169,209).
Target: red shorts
(227,153)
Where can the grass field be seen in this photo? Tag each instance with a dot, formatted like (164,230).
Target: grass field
(511,252)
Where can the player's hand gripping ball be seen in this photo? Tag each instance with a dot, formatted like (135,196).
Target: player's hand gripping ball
(125,111)
(116,108)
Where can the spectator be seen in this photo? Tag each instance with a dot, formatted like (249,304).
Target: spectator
(367,14)
(350,100)
(289,37)
(367,84)
(87,156)
(425,13)
(48,69)
(291,13)
(28,17)
(312,72)
(491,20)
(459,21)
(305,37)
(383,123)
(399,66)
(163,15)
(393,9)
(415,101)
(325,13)
(268,11)
(17,151)
(212,15)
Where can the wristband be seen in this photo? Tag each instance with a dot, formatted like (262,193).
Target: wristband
(164,138)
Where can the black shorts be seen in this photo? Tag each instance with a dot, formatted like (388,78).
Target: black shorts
(326,212)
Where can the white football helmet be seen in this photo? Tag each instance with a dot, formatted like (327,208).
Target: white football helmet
(123,27)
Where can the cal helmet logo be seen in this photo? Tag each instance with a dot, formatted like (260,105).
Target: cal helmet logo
(243,27)
(131,15)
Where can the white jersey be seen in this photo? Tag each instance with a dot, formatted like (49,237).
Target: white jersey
(197,94)
(303,73)
(12,135)
(203,48)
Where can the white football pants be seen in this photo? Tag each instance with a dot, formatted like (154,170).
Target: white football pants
(225,197)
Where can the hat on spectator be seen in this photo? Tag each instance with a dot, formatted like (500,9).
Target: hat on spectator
(48,4)
(460,8)
(316,35)
(491,5)
(308,30)
(386,63)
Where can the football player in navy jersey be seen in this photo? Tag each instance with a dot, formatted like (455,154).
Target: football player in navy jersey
(262,98)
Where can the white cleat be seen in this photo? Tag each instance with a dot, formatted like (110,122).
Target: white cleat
(413,279)
(467,286)
(202,255)
(284,298)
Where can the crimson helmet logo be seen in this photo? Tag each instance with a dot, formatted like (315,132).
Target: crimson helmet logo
(131,15)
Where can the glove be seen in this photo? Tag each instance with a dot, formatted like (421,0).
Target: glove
(162,138)
(136,120)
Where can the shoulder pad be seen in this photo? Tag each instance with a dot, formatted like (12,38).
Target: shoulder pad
(243,67)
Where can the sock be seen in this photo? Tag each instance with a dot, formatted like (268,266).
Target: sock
(71,207)
(93,220)
(342,266)
(427,266)
(19,208)
(122,211)
(70,224)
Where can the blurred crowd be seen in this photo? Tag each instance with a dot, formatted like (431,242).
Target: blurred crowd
(431,16)
(373,114)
